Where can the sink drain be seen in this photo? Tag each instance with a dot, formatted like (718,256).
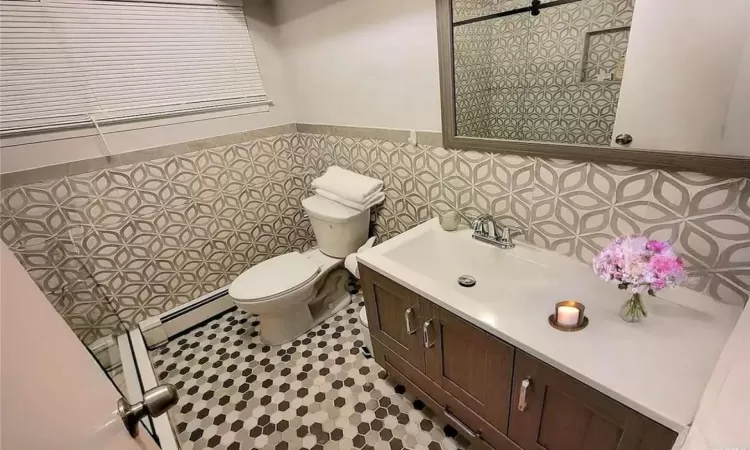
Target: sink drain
(466,281)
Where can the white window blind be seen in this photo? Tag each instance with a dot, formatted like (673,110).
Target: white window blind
(64,62)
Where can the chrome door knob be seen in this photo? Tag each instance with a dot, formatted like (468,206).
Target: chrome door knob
(155,402)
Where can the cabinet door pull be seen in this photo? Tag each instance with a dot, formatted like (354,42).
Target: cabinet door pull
(407,316)
(466,430)
(525,384)
(426,334)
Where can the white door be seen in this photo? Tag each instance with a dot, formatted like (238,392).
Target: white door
(53,394)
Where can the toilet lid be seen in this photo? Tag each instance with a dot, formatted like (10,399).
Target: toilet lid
(322,208)
(273,277)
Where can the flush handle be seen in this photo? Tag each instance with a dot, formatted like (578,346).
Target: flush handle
(426,334)
(525,384)
(408,317)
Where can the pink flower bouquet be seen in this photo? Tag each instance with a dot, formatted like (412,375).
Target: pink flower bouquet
(641,266)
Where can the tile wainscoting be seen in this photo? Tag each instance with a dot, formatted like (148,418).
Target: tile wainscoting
(572,207)
(123,242)
(116,245)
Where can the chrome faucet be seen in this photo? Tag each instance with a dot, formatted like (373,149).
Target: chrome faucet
(486,229)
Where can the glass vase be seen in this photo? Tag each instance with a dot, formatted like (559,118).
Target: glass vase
(633,310)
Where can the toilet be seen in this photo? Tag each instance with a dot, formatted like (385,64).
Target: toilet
(294,292)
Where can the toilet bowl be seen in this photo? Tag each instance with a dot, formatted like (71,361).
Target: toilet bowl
(292,293)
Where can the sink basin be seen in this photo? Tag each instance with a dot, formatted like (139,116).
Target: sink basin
(446,256)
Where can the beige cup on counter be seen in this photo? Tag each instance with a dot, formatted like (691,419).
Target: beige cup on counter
(449,220)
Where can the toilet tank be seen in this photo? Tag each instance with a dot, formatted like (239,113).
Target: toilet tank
(339,230)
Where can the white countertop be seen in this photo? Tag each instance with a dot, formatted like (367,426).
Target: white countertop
(659,367)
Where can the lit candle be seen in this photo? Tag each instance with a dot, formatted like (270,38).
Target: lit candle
(567,316)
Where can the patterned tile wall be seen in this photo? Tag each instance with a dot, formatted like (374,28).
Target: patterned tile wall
(120,244)
(473,74)
(572,207)
(535,67)
(115,246)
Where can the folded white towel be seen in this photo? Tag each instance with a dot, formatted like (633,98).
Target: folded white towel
(348,185)
(371,200)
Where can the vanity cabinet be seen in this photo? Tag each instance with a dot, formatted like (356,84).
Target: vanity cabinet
(394,317)
(496,395)
(473,367)
(553,411)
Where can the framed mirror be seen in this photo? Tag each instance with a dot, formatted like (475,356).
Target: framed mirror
(652,84)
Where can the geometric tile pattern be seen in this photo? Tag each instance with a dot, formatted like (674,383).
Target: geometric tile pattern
(572,207)
(317,392)
(112,247)
(473,78)
(519,76)
(579,207)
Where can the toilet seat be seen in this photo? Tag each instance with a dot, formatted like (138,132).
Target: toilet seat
(274,277)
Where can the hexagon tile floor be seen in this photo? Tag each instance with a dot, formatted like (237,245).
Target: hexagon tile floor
(318,392)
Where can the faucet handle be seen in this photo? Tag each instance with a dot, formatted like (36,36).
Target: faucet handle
(506,236)
(478,223)
(515,231)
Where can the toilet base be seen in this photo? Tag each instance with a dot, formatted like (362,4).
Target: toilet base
(284,326)
(283,320)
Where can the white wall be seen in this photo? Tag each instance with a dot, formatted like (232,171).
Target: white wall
(362,62)
(17,154)
(682,64)
(735,130)
(722,421)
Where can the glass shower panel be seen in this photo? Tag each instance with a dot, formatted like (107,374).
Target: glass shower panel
(65,274)
(63,270)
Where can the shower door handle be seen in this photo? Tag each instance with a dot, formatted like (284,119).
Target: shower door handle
(155,402)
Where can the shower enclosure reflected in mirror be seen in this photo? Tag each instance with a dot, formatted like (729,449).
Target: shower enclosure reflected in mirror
(659,84)
(549,75)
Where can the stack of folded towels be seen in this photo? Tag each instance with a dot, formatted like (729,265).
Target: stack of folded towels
(349,189)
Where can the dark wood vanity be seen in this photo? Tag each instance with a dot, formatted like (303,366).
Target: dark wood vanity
(493,393)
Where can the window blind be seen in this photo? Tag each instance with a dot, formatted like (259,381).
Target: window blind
(66,62)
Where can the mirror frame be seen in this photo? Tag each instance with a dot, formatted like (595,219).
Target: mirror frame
(722,165)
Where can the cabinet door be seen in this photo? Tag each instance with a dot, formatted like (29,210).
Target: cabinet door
(558,412)
(473,366)
(393,316)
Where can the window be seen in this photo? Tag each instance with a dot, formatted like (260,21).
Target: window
(73,62)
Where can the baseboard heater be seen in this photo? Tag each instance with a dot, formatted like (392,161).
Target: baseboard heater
(159,329)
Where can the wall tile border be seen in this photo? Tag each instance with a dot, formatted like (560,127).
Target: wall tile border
(383,134)
(24,177)
(433,138)
(46,173)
